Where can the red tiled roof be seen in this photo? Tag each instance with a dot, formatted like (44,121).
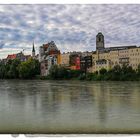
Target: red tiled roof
(11,56)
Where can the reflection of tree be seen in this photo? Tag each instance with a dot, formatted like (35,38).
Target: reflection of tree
(121,94)
(16,92)
(74,98)
(102,103)
(81,95)
(50,99)
(102,108)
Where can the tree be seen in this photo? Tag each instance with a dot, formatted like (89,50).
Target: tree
(58,72)
(2,70)
(13,71)
(138,70)
(29,69)
(103,71)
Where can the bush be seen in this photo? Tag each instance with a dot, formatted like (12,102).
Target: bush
(82,77)
(103,71)
(58,72)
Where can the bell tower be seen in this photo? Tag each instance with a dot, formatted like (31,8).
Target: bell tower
(99,41)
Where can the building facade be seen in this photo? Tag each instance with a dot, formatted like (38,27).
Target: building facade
(86,63)
(49,55)
(109,57)
(65,59)
(19,56)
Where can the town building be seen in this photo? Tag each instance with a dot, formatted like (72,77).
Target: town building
(65,59)
(49,55)
(75,60)
(86,63)
(71,60)
(19,56)
(109,57)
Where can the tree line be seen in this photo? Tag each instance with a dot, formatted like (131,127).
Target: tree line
(117,73)
(15,69)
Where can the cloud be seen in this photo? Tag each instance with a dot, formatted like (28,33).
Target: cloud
(72,27)
(1,45)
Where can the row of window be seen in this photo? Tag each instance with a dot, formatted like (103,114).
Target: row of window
(99,67)
(101,63)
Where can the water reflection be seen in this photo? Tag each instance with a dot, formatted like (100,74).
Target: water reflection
(71,106)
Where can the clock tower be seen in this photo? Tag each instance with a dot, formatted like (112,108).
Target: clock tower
(99,41)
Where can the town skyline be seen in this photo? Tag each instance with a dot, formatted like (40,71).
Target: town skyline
(72,27)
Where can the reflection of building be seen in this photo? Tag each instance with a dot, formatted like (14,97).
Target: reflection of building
(48,55)
(109,57)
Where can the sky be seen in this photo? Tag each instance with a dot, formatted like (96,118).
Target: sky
(71,27)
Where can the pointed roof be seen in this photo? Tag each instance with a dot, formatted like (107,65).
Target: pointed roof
(33,50)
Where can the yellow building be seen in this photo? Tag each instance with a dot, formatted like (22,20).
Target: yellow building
(59,59)
(109,57)
(65,59)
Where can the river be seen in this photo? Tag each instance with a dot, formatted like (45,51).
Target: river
(61,107)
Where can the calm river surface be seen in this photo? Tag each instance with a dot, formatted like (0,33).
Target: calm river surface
(35,106)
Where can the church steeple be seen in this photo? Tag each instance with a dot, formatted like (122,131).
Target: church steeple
(33,50)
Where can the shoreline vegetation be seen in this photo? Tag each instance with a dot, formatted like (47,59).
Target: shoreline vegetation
(15,69)
(117,73)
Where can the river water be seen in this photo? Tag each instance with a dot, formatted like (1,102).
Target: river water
(39,106)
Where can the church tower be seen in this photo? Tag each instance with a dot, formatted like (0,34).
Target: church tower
(33,51)
(99,41)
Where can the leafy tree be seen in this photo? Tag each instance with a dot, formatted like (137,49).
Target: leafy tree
(13,71)
(29,69)
(58,72)
(2,70)
(138,70)
(103,71)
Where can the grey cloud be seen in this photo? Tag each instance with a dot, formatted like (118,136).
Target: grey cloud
(72,27)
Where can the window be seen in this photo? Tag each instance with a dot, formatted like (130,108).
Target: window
(99,38)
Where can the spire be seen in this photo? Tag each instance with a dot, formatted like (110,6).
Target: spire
(33,50)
